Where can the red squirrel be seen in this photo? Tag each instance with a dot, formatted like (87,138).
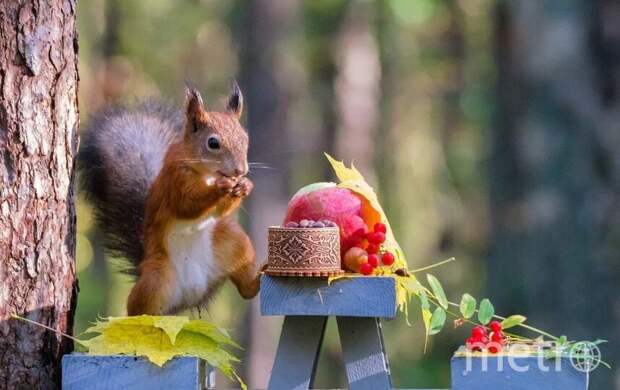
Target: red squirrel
(164,186)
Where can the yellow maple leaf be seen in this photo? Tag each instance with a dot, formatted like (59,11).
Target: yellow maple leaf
(172,325)
(372,212)
(213,331)
(160,338)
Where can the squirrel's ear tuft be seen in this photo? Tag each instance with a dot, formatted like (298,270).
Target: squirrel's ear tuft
(194,106)
(235,100)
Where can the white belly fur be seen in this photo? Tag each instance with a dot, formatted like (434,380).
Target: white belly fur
(190,249)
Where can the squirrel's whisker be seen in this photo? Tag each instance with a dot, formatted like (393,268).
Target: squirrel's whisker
(269,168)
(194,160)
(261,165)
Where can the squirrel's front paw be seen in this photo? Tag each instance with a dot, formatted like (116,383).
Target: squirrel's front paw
(243,188)
(226,184)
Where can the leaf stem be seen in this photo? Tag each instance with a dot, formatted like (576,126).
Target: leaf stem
(525,326)
(531,328)
(49,328)
(433,265)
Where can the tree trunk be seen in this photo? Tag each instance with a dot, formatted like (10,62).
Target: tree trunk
(555,176)
(322,27)
(263,76)
(38,141)
(358,88)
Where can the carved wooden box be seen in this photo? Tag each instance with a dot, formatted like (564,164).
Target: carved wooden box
(304,252)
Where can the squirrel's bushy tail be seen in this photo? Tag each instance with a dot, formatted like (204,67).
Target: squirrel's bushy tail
(121,152)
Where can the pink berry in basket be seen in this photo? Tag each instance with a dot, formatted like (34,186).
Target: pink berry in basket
(376,237)
(387,258)
(366,269)
(373,260)
(372,248)
(359,235)
(380,227)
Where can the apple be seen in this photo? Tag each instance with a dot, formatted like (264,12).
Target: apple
(326,201)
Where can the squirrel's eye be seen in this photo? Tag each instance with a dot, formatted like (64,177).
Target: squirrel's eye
(213,143)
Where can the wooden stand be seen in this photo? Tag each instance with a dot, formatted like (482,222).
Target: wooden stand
(516,373)
(306,303)
(115,372)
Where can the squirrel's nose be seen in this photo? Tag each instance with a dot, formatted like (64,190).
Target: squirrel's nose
(242,169)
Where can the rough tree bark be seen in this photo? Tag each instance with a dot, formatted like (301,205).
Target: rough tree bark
(38,141)
(555,172)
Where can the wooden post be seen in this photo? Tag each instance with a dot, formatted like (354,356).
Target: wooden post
(298,352)
(306,304)
(364,354)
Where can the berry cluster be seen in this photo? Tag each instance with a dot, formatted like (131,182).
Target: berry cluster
(308,223)
(365,252)
(480,340)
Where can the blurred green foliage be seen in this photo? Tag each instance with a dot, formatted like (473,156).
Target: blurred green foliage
(129,50)
(436,102)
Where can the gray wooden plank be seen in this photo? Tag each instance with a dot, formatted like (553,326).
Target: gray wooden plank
(364,355)
(80,371)
(355,297)
(209,377)
(516,373)
(297,354)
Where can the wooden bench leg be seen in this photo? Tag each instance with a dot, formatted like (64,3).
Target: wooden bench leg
(209,377)
(298,352)
(364,355)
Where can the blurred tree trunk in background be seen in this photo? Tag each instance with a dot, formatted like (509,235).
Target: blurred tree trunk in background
(358,88)
(38,141)
(108,92)
(321,28)
(266,24)
(386,32)
(555,170)
(111,88)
